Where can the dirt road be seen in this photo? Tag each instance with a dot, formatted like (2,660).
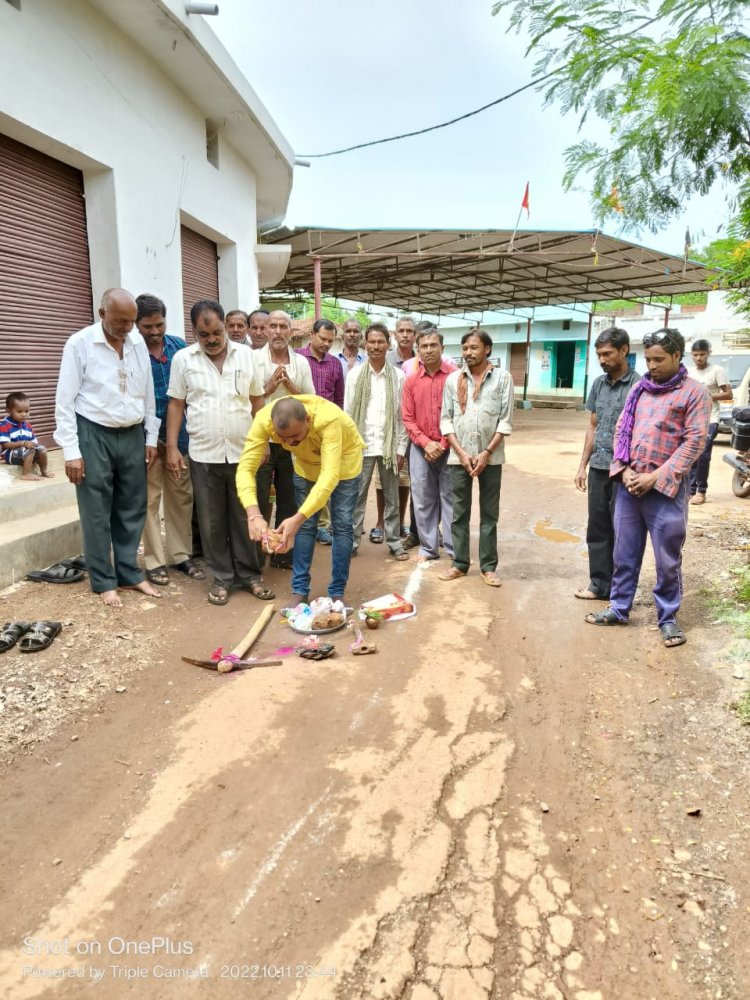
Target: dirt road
(503,803)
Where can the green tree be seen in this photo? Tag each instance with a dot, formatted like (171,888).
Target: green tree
(672,82)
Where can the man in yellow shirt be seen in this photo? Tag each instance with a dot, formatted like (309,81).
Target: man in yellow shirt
(327,452)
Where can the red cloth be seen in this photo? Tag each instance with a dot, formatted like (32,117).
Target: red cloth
(421,403)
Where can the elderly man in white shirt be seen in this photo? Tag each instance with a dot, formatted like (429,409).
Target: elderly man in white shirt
(372,397)
(106,425)
(282,372)
(216,380)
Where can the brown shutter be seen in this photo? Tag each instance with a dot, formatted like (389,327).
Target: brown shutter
(518,364)
(45,278)
(200,272)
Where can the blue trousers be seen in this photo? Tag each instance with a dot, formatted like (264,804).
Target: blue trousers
(699,472)
(342,503)
(665,521)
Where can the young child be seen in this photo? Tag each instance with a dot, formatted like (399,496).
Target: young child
(18,441)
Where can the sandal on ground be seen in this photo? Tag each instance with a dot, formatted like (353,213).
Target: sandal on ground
(672,634)
(492,579)
(454,573)
(400,556)
(697,499)
(188,567)
(607,617)
(410,542)
(258,589)
(39,636)
(10,633)
(158,576)
(218,594)
(77,562)
(58,573)
(377,536)
(589,595)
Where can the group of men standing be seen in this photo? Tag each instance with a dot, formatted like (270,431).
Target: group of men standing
(148,423)
(646,450)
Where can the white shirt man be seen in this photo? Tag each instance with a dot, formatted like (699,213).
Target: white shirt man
(107,427)
(217,381)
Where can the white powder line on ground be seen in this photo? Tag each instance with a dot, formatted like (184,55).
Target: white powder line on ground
(413,584)
(359,717)
(271,863)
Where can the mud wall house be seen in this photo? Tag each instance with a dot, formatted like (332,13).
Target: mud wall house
(132,152)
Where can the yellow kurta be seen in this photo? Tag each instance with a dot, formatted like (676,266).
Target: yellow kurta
(332,451)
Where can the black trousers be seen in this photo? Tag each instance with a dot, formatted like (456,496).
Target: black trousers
(112,502)
(229,553)
(278,470)
(600,532)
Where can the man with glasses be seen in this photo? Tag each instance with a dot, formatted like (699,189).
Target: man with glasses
(107,427)
(661,432)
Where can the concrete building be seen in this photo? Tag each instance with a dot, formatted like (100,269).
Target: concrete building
(132,153)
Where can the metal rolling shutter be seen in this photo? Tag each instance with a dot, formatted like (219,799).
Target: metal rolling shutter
(45,278)
(200,272)
(518,364)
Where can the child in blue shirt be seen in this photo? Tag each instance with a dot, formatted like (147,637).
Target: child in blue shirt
(18,441)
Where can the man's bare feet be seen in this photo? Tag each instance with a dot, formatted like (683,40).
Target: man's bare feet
(48,475)
(111,598)
(30,476)
(145,588)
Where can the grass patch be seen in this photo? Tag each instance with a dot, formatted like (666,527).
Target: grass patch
(730,600)
(742,708)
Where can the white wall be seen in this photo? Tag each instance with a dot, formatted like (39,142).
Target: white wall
(77,89)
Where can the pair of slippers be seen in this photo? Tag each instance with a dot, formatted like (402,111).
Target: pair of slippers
(33,636)
(66,571)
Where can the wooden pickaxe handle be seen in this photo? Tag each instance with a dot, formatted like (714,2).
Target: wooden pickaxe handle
(249,639)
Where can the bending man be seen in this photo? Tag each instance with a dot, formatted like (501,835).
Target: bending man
(326,450)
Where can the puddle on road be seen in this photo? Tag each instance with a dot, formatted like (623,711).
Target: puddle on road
(543,529)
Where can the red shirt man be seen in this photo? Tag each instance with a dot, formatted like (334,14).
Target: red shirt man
(421,403)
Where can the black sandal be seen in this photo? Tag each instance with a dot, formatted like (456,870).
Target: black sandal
(218,594)
(158,576)
(189,568)
(10,633)
(672,634)
(607,617)
(60,572)
(39,636)
(258,589)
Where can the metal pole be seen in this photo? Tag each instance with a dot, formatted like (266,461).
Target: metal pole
(528,358)
(667,311)
(588,358)
(317,266)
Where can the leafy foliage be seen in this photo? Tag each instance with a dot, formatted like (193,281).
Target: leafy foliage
(673,84)
(732,255)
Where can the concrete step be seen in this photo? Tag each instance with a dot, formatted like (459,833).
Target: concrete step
(24,499)
(38,540)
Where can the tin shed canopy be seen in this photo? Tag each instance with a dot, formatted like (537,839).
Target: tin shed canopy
(455,272)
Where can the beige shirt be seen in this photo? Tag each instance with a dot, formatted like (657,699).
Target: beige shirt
(713,377)
(219,412)
(298,369)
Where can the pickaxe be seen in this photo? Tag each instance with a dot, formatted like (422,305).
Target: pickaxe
(234,660)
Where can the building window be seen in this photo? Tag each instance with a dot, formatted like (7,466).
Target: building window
(212,143)
(566,324)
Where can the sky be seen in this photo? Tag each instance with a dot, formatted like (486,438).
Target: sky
(337,72)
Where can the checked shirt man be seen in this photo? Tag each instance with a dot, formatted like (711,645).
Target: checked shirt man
(661,432)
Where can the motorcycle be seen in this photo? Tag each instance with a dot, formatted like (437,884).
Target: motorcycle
(740,462)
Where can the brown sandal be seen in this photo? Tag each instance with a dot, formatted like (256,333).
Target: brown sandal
(452,574)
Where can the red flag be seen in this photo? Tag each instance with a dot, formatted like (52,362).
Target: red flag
(525,202)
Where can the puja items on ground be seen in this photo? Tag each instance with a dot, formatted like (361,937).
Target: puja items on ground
(321,614)
(313,648)
(391,607)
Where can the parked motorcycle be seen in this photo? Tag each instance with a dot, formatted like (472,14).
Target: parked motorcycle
(741,441)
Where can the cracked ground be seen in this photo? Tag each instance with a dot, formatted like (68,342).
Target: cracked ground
(503,804)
